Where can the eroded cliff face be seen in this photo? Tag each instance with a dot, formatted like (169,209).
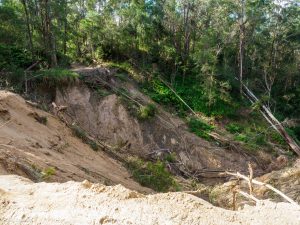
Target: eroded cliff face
(37,145)
(109,120)
(24,202)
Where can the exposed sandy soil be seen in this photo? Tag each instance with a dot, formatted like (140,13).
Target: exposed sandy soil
(29,148)
(23,202)
(108,119)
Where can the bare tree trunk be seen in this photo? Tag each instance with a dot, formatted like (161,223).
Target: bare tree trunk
(242,43)
(65,27)
(273,121)
(51,47)
(28,26)
(53,50)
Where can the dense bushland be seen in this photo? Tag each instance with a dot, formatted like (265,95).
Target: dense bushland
(203,48)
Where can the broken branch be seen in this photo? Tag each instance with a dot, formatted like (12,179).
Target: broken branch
(265,185)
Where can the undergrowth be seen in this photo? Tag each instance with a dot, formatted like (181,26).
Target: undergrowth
(200,128)
(152,174)
(192,93)
(55,77)
(142,113)
(146,112)
(48,172)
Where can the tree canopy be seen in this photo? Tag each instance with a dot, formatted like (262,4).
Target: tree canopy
(204,46)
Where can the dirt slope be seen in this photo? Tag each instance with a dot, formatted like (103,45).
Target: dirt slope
(108,119)
(29,148)
(23,202)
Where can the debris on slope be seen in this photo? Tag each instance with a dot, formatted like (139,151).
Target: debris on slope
(286,180)
(23,202)
(36,145)
(108,119)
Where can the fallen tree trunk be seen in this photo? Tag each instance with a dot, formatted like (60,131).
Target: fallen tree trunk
(265,185)
(273,121)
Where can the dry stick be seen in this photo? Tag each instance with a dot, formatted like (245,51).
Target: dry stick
(248,196)
(250,178)
(25,75)
(234,200)
(26,83)
(265,185)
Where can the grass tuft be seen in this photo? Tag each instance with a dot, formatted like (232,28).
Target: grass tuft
(200,128)
(147,112)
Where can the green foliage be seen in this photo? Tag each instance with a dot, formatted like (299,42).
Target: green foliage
(93,145)
(132,107)
(170,157)
(241,137)
(277,138)
(234,128)
(124,67)
(102,92)
(201,62)
(296,131)
(48,172)
(253,137)
(147,112)
(192,93)
(13,58)
(152,175)
(293,134)
(161,94)
(141,112)
(80,133)
(122,76)
(56,77)
(200,128)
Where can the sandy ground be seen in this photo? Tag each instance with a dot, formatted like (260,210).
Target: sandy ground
(29,148)
(24,202)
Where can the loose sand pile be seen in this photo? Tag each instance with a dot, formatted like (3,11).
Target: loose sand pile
(24,202)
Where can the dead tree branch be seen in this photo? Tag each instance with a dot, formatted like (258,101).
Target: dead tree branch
(265,185)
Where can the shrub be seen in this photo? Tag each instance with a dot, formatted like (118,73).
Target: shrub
(200,128)
(12,57)
(193,93)
(94,145)
(152,175)
(42,120)
(146,112)
(80,133)
(234,128)
(122,76)
(102,92)
(55,77)
(171,157)
(48,172)
(276,137)
(241,137)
